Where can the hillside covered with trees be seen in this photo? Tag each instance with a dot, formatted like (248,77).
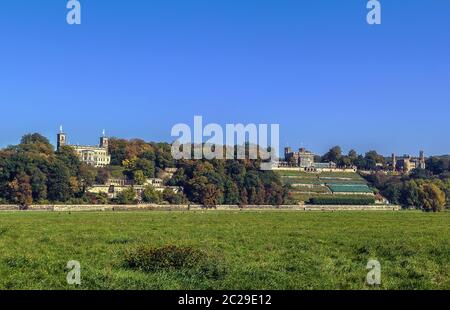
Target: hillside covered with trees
(422,188)
(206,182)
(425,188)
(33,173)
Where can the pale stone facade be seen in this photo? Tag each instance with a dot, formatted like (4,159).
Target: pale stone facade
(115,186)
(97,156)
(407,163)
(304,160)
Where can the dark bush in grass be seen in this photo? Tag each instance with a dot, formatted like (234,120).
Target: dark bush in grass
(3,230)
(174,258)
(120,240)
(342,200)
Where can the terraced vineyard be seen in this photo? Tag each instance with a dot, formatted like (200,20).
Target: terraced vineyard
(305,186)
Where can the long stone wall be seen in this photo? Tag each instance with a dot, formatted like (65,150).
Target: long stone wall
(151,207)
(318,170)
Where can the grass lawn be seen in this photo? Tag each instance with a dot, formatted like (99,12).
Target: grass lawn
(253,250)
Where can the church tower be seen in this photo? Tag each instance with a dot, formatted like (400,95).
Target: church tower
(104,141)
(61,139)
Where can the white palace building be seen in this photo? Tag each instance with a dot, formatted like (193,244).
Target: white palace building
(97,156)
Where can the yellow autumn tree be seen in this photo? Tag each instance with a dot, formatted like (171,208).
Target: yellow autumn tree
(431,197)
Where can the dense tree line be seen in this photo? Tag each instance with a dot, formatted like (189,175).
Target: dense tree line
(228,182)
(369,161)
(428,188)
(439,165)
(420,189)
(206,182)
(158,154)
(32,172)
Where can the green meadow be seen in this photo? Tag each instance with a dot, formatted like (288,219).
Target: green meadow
(225,249)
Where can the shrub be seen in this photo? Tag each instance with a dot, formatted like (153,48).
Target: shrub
(98,199)
(150,195)
(174,258)
(342,200)
(173,198)
(127,196)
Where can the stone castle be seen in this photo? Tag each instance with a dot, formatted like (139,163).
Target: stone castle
(304,160)
(407,163)
(97,156)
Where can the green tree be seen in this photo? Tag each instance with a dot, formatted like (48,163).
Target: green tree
(21,191)
(139,177)
(211,196)
(243,198)
(345,161)
(103,175)
(393,193)
(431,197)
(352,155)
(446,189)
(59,184)
(173,198)
(410,195)
(372,158)
(231,194)
(36,143)
(38,185)
(333,155)
(86,176)
(147,167)
(127,197)
(276,194)
(150,195)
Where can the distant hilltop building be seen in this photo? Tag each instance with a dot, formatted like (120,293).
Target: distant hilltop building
(97,156)
(304,160)
(407,163)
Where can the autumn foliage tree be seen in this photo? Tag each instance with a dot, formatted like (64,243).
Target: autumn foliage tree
(432,198)
(32,172)
(21,190)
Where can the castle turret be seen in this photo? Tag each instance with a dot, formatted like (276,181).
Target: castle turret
(422,160)
(394,162)
(287,152)
(407,163)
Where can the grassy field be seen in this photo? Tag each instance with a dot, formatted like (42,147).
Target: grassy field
(251,250)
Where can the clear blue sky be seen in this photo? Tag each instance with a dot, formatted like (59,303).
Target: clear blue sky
(315,67)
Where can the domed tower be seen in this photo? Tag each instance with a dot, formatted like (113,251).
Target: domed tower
(104,141)
(61,139)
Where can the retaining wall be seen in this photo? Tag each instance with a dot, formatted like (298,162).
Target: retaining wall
(152,207)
